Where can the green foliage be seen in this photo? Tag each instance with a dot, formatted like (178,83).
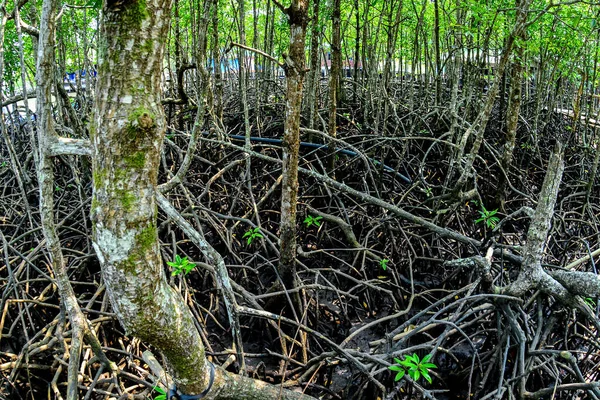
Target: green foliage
(162,395)
(488,217)
(383,263)
(415,367)
(527,146)
(251,234)
(181,265)
(310,220)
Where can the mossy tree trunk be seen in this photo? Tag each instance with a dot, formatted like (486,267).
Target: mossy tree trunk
(127,134)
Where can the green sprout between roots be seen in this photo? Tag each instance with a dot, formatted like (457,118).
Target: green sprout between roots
(414,367)
(162,395)
(590,302)
(181,265)
(383,263)
(488,217)
(251,234)
(310,220)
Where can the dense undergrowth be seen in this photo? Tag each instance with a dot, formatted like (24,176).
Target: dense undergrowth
(483,344)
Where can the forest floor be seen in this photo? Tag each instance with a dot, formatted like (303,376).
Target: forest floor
(376,286)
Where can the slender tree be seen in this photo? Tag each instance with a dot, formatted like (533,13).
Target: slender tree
(334,80)
(127,134)
(294,65)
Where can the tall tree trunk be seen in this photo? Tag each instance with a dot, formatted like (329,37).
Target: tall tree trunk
(512,117)
(438,58)
(294,71)
(127,134)
(218,81)
(243,75)
(384,104)
(315,66)
(46,145)
(334,77)
(356,53)
(20,176)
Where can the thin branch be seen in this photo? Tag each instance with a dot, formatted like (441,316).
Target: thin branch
(262,53)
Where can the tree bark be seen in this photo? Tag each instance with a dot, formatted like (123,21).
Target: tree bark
(512,117)
(127,134)
(315,66)
(334,78)
(294,71)
(46,145)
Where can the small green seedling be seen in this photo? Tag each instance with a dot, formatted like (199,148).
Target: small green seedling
(310,220)
(415,367)
(488,216)
(162,395)
(181,265)
(4,164)
(383,263)
(251,234)
(590,302)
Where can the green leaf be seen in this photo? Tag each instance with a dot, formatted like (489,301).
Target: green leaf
(383,263)
(411,358)
(399,375)
(416,375)
(159,389)
(428,365)
(426,358)
(426,376)
(248,233)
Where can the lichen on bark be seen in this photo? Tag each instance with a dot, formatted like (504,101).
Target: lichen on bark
(128,129)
